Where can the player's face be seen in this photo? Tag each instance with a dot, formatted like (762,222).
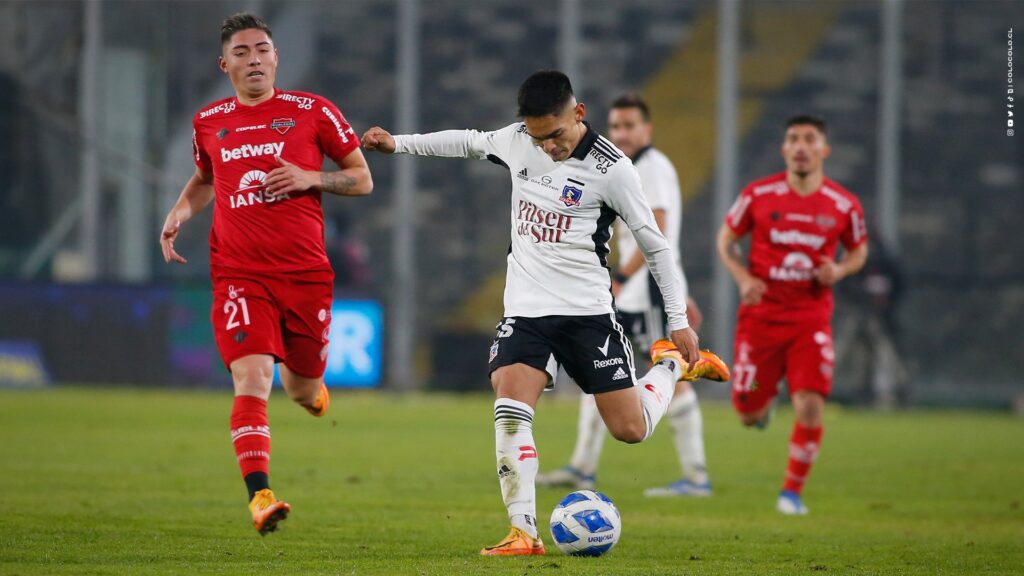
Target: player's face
(628,130)
(250,61)
(804,149)
(557,134)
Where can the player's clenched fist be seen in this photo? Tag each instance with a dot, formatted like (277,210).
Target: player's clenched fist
(379,139)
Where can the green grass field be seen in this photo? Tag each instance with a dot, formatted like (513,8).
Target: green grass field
(120,481)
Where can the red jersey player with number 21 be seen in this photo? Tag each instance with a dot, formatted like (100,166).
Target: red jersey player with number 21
(258,157)
(796,220)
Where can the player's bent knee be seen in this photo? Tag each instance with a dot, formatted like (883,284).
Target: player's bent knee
(301,389)
(253,376)
(631,433)
(519,382)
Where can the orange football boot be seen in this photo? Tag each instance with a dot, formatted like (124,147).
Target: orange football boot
(710,366)
(267,511)
(517,543)
(321,404)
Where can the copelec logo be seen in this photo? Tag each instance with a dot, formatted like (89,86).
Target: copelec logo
(571,195)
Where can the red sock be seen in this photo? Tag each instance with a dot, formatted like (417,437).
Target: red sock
(803,449)
(250,434)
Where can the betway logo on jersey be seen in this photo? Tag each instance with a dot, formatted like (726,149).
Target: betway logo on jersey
(796,267)
(225,108)
(541,225)
(797,238)
(251,151)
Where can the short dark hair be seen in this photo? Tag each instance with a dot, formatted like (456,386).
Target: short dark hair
(242,21)
(808,119)
(544,93)
(632,100)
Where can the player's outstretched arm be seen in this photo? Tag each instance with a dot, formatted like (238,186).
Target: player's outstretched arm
(751,288)
(378,139)
(196,195)
(472,144)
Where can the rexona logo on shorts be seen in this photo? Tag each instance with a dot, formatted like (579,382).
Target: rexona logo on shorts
(608,362)
(251,151)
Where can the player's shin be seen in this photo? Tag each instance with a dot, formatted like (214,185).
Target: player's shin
(803,450)
(688,430)
(590,436)
(656,390)
(517,462)
(250,434)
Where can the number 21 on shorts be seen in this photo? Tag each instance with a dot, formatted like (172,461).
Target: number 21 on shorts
(231,308)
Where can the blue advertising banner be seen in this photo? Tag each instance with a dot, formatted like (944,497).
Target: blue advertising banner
(356,349)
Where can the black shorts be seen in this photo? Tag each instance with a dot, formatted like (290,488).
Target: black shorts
(647,327)
(644,328)
(593,350)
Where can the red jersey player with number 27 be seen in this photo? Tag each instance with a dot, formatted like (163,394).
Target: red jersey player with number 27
(258,156)
(796,220)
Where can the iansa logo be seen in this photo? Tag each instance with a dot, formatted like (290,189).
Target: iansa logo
(796,267)
(250,191)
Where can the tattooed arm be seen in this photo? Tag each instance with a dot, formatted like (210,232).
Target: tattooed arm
(352,180)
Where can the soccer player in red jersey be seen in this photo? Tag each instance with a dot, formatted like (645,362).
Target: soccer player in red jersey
(258,156)
(796,220)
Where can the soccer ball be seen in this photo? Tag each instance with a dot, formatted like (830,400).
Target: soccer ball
(586,523)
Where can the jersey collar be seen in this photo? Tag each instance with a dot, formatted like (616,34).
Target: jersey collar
(586,143)
(636,157)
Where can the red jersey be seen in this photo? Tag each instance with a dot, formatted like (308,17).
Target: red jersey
(238,143)
(789,236)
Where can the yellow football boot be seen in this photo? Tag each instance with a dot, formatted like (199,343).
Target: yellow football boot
(517,543)
(267,511)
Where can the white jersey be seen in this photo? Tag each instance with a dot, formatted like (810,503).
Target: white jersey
(562,215)
(661,186)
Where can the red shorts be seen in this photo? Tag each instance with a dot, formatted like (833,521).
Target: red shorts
(287,316)
(765,352)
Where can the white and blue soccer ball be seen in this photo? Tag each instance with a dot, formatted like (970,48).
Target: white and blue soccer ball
(586,523)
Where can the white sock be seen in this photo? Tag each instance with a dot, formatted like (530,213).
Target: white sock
(688,428)
(517,462)
(656,390)
(590,435)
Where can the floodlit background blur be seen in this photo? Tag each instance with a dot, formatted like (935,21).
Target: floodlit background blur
(96,100)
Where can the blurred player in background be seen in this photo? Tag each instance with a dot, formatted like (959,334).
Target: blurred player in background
(568,186)
(258,156)
(642,313)
(796,220)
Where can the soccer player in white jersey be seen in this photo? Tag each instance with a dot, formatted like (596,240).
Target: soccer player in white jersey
(642,314)
(568,186)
